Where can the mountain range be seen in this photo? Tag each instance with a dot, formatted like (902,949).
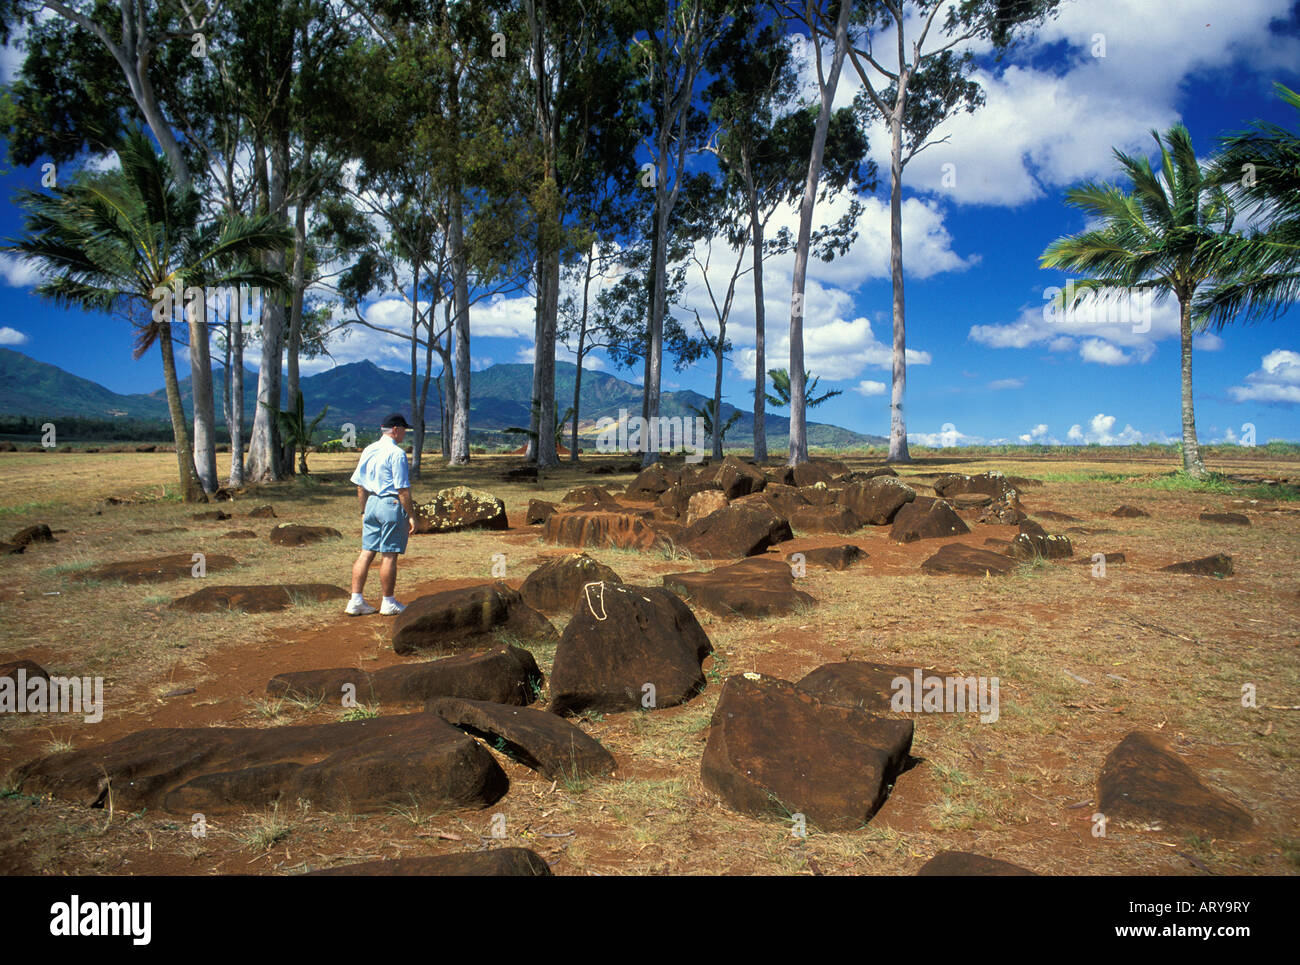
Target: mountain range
(363,393)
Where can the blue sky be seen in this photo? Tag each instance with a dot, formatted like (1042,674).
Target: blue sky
(983,361)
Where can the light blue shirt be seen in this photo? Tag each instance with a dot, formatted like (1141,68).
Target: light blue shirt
(383,469)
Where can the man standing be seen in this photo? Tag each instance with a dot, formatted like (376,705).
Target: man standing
(383,482)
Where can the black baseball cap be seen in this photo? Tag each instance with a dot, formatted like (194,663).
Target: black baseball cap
(394,421)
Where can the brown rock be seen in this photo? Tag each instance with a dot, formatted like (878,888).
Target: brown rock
(30,668)
(1058,517)
(705,502)
(625,638)
(155,569)
(961,560)
(40,533)
(877,500)
(1220,564)
(535,738)
(774,750)
(1027,546)
(262,512)
(1144,781)
(783,499)
(453,620)
(460,508)
(556,585)
(936,521)
(362,765)
(539,511)
(991,483)
(739,530)
(504,675)
(964,864)
(590,496)
(651,481)
(964,501)
(1226,519)
(1130,512)
(860,684)
(217,515)
(755,587)
(832,557)
(736,478)
(293,534)
(258,599)
(624,530)
(824,519)
(239,534)
(810,473)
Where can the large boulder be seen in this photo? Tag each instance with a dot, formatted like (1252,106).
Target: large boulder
(539,511)
(258,599)
(961,560)
(535,738)
(504,675)
(499,862)
(455,620)
(739,530)
(783,499)
(623,639)
(877,500)
(824,519)
(361,765)
(294,534)
(774,750)
(616,530)
(651,481)
(990,483)
(935,521)
(460,508)
(736,478)
(1143,781)
(705,502)
(811,473)
(154,570)
(556,585)
(755,587)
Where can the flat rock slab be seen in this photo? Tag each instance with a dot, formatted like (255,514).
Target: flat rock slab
(826,518)
(1220,564)
(556,585)
(861,684)
(294,534)
(503,675)
(622,639)
(775,750)
(239,534)
(1130,512)
(1144,781)
(833,557)
(756,587)
(967,501)
(1226,519)
(934,521)
(739,530)
(957,559)
(460,508)
(517,862)
(547,743)
(455,620)
(964,864)
(215,515)
(1029,546)
(156,569)
(361,765)
(990,483)
(258,599)
(600,529)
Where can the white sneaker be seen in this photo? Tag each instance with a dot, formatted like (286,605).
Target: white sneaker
(390,609)
(359,609)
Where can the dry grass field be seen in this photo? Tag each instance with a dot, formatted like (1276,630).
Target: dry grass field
(1159,652)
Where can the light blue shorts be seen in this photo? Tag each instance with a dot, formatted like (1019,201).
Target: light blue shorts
(385,527)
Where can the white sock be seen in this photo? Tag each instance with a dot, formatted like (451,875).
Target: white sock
(390,599)
(358,599)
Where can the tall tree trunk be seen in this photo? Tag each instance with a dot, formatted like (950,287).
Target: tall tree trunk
(798,414)
(294,344)
(1192,464)
(415,366)
(897,423)
(547,456)
(658,297)
(235,420)
(205,438)
(264,443)
(760,321)
(191,488)
(420,431)
(582,351)
(535,401)
(717,393)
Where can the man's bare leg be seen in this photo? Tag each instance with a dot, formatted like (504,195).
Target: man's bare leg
(361,569)
(388,574)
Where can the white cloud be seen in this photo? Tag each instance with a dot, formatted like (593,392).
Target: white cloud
(1103,353)
(19,272)
(869,388)
(998,385)
(11,336)
(1276,380)
(947,437)
(1100,430)
(1207,342)
(1039,435)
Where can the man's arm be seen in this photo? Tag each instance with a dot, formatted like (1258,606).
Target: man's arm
(362,496)
(405,496)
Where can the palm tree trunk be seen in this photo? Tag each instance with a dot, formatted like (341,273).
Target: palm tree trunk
(191,488)
(1192,464)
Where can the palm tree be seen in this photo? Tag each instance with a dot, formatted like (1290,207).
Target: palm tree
(1157,237)
(532,433)
(781,386)
(706,412)
(121,241)
(296,431)
(1260,169)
